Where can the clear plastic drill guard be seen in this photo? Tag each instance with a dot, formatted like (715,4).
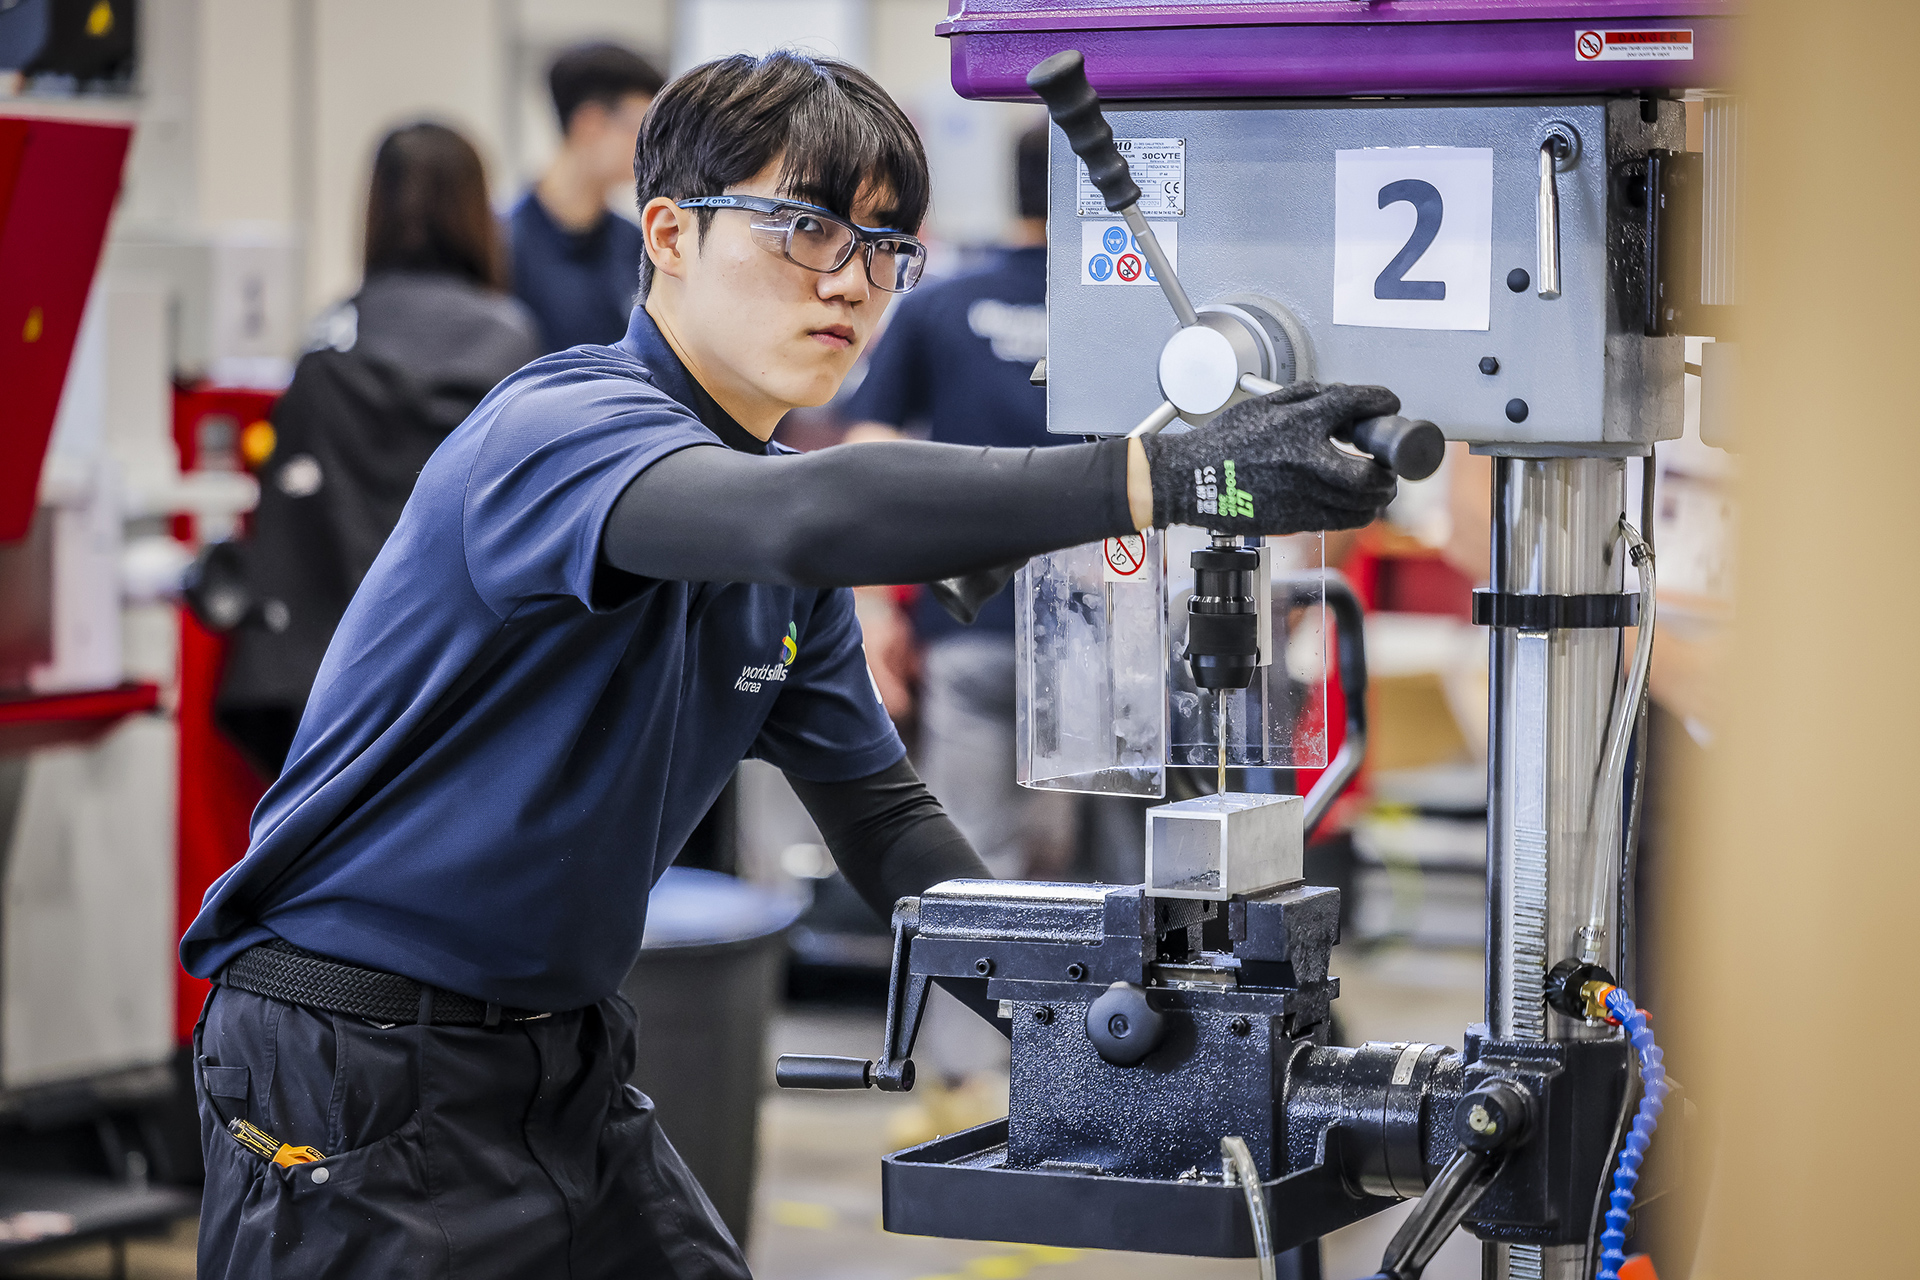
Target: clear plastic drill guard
(1104,703)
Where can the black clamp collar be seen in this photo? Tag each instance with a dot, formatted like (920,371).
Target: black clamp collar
(1525,612)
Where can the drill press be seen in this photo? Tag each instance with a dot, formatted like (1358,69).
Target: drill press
(1474,205)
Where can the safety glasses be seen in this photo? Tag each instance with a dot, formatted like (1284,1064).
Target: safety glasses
(821,240)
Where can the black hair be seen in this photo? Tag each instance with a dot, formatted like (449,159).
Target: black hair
(427,208)
(841,136)
(1030,171)
(603,73)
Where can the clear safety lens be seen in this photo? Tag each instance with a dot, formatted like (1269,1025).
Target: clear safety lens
(821,243)
(895,265)
(817,243)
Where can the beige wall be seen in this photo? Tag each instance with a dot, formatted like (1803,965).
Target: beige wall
(1804,874)
(244,103)
(376,64)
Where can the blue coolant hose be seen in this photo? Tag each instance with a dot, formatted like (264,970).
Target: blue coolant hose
(1653,1080)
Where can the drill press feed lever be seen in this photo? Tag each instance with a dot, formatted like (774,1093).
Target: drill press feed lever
(1224,352)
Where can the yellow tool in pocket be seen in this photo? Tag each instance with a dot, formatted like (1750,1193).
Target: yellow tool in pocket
(265,1145)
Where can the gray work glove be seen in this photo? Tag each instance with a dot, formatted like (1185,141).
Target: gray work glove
(1269,466)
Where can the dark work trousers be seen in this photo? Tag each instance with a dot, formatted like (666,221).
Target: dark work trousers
(519,1152)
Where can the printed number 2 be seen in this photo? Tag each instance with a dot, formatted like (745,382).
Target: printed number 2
(1392,281)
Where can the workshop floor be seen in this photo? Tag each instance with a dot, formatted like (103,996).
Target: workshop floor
(819,1202)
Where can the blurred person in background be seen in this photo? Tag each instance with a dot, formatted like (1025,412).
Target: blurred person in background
(387,374)
(576,263)
(956,365)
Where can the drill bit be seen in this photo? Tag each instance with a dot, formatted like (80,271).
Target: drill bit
(1220,713)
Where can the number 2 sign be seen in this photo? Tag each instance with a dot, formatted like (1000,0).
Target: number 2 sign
(1413,237)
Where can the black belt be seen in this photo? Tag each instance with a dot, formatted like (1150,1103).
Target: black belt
(281,971)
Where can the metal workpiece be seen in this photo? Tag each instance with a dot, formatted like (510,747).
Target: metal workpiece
(1217,847)
(1555,532)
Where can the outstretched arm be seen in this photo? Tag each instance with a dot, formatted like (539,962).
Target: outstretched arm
(894,511)
(906,511)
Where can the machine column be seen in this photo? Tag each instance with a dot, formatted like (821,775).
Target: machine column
(1554,532)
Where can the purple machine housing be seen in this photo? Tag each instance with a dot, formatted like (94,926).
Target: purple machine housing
(1335,48)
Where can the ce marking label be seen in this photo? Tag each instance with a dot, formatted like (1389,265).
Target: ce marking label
(1159,168)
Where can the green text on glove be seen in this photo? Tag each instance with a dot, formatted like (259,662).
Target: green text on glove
(1216,499)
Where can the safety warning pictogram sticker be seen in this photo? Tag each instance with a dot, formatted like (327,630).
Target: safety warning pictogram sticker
(1126,558)
(1110,255)
(1634,46)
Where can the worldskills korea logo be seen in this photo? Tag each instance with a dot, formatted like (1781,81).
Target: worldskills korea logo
(751,678)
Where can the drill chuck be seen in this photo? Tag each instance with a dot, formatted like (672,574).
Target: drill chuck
(1223,618)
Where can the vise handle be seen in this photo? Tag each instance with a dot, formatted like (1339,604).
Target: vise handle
(906,1000)
(820,1071)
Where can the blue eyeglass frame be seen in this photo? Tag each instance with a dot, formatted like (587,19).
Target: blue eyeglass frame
(863,237)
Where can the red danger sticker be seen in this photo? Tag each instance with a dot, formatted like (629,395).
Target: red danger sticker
(1633,46)
(1126,558)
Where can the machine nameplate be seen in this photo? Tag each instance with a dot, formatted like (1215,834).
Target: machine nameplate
(1159,167)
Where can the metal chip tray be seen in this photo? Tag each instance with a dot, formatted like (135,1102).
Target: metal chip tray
(959,1186)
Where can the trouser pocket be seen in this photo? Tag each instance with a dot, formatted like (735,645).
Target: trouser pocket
(308,1079)
(364,1213)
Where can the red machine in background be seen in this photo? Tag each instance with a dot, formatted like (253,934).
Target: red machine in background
(214,428)
(88,1071)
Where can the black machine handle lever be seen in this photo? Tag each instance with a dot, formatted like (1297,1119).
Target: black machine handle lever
(1061,81)
(817,1071)
(1411,448)
(1458,1187)
(1493,1120)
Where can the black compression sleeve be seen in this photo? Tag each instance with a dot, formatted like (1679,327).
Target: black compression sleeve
(896,511)
(889,835)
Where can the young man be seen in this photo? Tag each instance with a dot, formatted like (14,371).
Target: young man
(605,591)
(575,263)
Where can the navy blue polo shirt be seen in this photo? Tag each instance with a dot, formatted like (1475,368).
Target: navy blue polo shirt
(580,285)
(509,740)
(956,361)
